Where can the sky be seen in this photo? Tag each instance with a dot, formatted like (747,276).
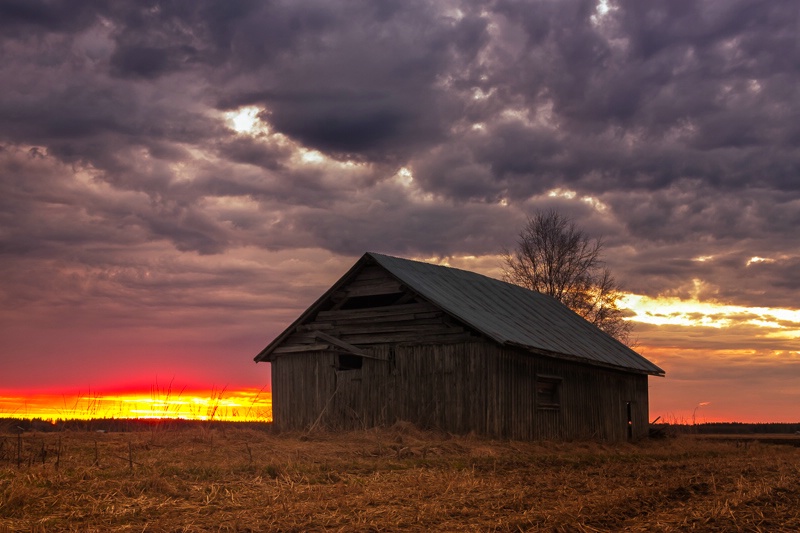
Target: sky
(180,180)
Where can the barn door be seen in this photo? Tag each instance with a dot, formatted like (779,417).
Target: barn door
(347,410)
(629,416)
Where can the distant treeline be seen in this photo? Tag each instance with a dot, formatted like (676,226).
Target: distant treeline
(15,425)
(737,428)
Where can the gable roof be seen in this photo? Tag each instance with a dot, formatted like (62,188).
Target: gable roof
(506,313)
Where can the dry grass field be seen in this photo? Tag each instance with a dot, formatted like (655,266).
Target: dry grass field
(397,479)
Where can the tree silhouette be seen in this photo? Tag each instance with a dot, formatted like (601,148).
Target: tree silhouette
(555,257)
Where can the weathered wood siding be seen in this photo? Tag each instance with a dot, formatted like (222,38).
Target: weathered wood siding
(458,387)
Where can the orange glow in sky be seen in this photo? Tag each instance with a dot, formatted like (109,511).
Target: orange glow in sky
(723,363)
(779,323)
(243,405)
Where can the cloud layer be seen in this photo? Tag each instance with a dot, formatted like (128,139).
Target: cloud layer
(186,177)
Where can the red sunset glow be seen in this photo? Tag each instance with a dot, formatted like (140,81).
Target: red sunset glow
(222,405)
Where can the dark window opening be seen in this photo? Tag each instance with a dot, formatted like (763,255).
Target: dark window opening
(376,300)
(548,392)
(348,361)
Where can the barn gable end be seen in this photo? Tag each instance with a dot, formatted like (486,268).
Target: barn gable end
(395,339)
(367,307)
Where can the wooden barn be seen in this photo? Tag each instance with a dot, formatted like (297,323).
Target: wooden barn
(396,339)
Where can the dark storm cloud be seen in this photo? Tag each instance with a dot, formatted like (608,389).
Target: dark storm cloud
(377,82)
(250,151)
(19,17)
(147,61)
(697,96)
(354,80)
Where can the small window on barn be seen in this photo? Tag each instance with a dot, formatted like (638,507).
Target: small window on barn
(548,392)
(347,361)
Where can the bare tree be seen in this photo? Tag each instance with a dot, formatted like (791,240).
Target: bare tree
(555,257)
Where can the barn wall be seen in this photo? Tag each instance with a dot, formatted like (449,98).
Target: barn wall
(461,387)
(301,385)
(593,403)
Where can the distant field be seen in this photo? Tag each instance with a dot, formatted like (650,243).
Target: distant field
(763,438)
(398,479)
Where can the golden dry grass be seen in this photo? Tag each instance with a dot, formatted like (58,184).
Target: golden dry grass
(398,479)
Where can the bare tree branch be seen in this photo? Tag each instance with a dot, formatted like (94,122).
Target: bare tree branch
(555,257)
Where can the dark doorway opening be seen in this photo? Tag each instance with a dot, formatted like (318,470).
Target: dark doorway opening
(629,409)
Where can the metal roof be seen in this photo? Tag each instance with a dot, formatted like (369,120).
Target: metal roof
(513,315)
